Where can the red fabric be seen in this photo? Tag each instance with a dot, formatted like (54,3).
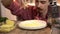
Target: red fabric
(25,14)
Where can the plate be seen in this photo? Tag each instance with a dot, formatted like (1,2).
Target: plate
(32,24)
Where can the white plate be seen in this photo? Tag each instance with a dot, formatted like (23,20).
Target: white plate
(32,24)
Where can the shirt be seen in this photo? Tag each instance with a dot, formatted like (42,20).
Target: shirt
(29,13)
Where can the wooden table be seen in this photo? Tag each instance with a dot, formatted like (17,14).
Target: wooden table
(17,30)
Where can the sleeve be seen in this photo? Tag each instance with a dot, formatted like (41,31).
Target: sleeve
(14,7)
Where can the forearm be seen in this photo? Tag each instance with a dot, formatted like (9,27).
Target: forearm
(6,3)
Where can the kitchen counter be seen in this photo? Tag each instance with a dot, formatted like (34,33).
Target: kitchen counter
(17,30)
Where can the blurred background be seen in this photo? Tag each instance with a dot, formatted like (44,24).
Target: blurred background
(6,13)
